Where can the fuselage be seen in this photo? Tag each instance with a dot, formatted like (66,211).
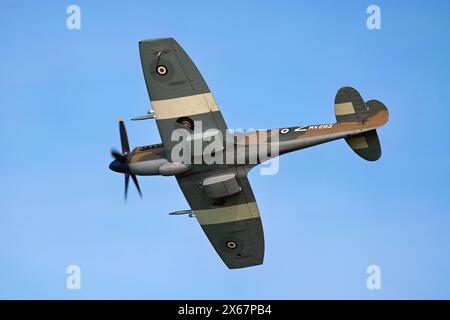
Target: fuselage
(246,148)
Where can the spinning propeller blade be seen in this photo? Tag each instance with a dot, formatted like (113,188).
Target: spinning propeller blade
(120,164)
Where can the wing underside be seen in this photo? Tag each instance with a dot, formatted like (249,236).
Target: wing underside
(223,202)
(231,223)
(176,89)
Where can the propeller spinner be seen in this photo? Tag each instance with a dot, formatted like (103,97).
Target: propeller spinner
(120,162)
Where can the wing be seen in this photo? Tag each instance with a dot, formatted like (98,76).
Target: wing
(230,221)
(177,90)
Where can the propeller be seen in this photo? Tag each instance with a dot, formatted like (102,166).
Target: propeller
(120,163)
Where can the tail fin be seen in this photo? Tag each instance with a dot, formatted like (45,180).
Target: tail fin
(350,107)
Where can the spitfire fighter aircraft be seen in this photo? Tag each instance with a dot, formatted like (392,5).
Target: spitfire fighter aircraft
(218,192)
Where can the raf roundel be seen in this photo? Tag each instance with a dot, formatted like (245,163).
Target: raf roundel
(284,131)
(161,70)
(231,245)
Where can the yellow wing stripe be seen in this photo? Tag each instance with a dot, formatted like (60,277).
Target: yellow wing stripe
(184,106)
(227,214)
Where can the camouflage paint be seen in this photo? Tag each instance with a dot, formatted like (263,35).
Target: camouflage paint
(233,224)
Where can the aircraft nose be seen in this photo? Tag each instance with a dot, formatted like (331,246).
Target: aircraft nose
(117,166)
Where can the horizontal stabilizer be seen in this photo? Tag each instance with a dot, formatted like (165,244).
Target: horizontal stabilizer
(366,145)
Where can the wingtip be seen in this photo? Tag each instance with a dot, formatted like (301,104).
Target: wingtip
(155,40)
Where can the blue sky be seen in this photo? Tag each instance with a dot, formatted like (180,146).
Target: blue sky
(327,214)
